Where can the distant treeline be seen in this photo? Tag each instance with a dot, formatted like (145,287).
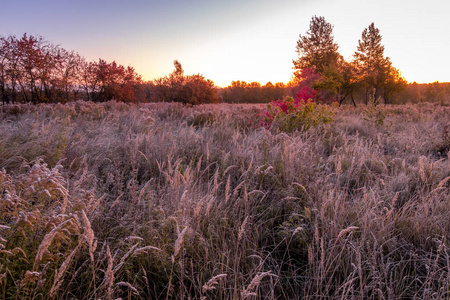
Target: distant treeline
(242,92)
(33,70)
(425,92)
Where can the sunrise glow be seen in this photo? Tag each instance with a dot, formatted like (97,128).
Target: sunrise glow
(234,40)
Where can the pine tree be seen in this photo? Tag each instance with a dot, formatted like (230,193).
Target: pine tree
(317,49)
(372,67)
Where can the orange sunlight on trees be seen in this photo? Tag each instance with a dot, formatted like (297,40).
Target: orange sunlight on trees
(33,70)
(177,87)
(322,70)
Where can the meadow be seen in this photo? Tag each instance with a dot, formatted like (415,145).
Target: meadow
(167,201)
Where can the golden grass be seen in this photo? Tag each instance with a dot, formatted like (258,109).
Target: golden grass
(162,200)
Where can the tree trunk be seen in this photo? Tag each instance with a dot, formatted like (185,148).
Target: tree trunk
(367,96)
(353,100)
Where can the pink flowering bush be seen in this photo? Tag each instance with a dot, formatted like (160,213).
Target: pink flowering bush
(312,85)
(289,114)
(306,94)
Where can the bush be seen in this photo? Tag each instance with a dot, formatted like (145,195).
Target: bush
(289,115)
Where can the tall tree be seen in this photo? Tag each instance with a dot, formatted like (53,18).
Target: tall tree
(374,70)
(317,49)
(3,68)
(12,70)
(31,61)
(318,52)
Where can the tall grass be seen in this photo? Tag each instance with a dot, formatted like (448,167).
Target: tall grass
(164,201)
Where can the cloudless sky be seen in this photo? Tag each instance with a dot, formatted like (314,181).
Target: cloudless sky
(229,40)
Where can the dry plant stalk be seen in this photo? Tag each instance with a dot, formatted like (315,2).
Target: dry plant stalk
(211,284)
(248,291)
(48,238)
(145,249)
(179,242)
(108,281)
(242,229)
(227,190)
(346,230)
(89,235)
(59,274)
(443,182)
(130,286)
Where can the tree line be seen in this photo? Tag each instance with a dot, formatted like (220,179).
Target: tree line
(33,70)
(37,71)
(253,92)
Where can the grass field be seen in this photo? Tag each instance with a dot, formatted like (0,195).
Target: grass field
(164,201)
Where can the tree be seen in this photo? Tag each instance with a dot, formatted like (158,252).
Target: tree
(317,49)
(3,68)
(89,79)
(171,88)
(31,63)
(66,75)
(393,85)
(11,71)
(175,83)
(349,81)
(318,54)
(200,90)
(374,70)
(176,87)
(34,70)
(115,81)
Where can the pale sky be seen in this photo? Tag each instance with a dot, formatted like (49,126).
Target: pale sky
(233,40)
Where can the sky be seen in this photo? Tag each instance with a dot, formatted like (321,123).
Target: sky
(228,40)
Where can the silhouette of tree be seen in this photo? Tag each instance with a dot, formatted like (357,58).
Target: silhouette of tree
(200,90)
(176,87)
(374,70)
(243,92)
(317,49)
(349,81)
(394,84)
(318,52)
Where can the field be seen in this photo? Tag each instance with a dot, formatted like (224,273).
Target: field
(165,201)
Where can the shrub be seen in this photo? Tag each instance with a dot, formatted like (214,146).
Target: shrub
(289,115)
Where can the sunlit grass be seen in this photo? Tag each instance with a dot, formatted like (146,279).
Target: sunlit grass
(164,201)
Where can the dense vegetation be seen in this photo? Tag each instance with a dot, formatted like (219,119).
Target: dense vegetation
(165,201)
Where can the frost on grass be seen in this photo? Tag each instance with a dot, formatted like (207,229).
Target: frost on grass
(164,201)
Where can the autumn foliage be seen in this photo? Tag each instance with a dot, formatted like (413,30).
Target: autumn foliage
(33,70)
(289,114)
(321,68)
(191,89)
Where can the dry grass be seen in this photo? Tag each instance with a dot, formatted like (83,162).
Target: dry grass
(152,201)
